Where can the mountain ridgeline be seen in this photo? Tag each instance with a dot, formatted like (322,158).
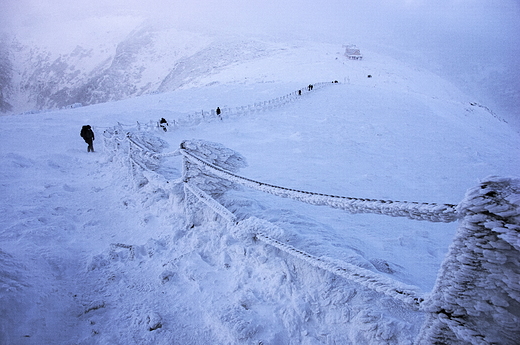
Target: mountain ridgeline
(34,78)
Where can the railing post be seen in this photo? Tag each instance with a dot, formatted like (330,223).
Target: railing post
(189,198)
(131,163)
(201,178)
(476,298)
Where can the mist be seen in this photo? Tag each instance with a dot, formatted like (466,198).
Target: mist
(414,21)
(475,43)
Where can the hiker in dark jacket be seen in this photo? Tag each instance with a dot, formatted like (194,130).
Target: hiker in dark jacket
(88,135)
(163,124)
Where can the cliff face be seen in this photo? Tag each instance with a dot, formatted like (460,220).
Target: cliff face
(6,71)
(35,78)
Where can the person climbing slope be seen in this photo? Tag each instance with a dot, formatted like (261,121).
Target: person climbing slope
(88,135)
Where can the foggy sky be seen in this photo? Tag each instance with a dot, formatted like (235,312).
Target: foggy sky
(466,16)
(421,23)
(413,24)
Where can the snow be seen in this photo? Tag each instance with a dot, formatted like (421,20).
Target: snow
(95,252)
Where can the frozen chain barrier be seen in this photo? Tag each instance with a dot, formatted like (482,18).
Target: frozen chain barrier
(407,294)
(476,298)
(413,210)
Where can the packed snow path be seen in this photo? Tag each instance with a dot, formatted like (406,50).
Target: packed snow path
(71,211)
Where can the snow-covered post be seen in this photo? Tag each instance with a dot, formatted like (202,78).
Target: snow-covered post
(476,298)
(114,138)
(142,150)
(188,171)
(131,164)
(194,174)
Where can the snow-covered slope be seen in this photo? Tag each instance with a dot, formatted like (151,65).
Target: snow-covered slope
(88,257)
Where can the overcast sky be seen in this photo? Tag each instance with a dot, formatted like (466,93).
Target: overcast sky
(492,25)
(492,22)
(272,14)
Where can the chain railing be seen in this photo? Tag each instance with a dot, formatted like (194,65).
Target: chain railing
(414,210)
(225,112)
(476,297)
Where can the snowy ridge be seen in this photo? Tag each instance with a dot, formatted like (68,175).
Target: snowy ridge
(272,103)
(114,248)
(195,118)
(413,210)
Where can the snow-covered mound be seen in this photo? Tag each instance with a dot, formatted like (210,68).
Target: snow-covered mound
(94,251)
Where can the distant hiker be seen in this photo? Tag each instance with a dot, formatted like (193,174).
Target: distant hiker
(369,76)
(299,92)
(88,135)
(218,111)
(310,87)
(163,124)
